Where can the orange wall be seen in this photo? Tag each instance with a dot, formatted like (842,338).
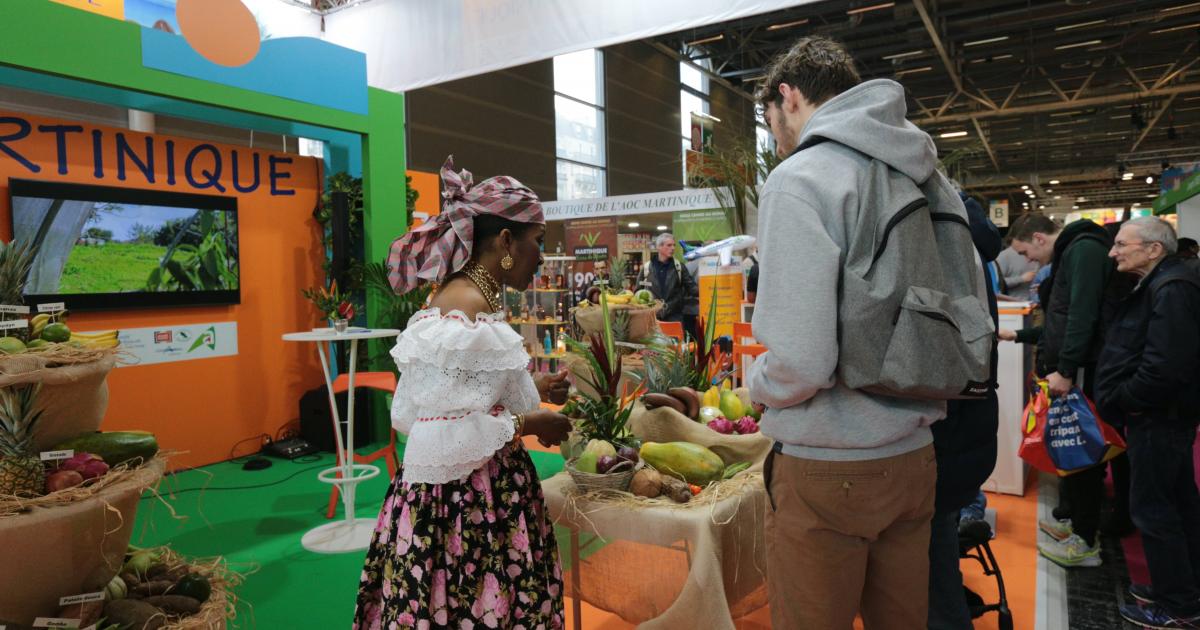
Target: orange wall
(203,406)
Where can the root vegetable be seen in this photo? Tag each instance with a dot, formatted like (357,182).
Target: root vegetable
(175,604)
(132,614)
(154,587)
(690,398)
(664,400)
(646,482)
(676,489)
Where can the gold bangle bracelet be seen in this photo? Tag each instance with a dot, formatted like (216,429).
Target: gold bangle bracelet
(519,423)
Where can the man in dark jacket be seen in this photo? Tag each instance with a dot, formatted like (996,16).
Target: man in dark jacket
(1068,345)
(671,282)
(1147,380)
(965,446)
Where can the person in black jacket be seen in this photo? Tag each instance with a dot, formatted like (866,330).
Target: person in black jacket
(965,446)
(1068,344)
(672,283)
(1147,380)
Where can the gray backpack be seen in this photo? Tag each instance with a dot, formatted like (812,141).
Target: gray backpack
(913,318)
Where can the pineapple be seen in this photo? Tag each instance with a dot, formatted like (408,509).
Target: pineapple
(21,470)
(16,258)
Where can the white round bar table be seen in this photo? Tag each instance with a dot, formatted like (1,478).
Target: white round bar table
(348,534)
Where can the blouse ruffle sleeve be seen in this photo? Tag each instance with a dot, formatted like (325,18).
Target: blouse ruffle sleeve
(461,382)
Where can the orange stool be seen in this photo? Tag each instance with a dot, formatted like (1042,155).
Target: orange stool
(741,332)
(384,382)
(672,329)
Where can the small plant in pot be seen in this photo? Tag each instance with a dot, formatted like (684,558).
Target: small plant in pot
(605,452)
(332,304)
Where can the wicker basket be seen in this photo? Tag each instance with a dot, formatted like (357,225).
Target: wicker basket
(588,482)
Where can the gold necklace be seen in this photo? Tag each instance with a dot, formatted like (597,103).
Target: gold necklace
(486,282)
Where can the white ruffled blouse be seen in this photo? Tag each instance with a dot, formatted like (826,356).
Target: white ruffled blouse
(461,382)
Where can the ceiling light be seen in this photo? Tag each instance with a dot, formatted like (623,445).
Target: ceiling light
(1024,186)
(953,134)
(1151,196)
(914,70)
(1149,179)
(661,228)
(1090,42)
(1136,204)
(1176,28)
(1079,25)
(1032,196)
(1054,182)
(776,27)
(1041,207)
(634,224)
(1074,207)
(1081,199)
(706,40)
(911,53)
(990,40)
(1058,196)
(1049,190)
(1180,7)
(1127,176)
(874,7)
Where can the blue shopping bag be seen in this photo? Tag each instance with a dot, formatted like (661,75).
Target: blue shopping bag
(1076,437)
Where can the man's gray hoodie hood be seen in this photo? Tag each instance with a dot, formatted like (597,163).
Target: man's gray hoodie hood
(870,118)
(808,212)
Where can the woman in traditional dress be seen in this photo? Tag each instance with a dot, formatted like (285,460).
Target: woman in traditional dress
(463,539)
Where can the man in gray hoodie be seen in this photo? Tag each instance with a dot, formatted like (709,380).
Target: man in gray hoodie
(851,478)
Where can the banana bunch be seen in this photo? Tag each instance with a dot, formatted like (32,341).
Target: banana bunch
(107,339)
(37,324)
(620,298)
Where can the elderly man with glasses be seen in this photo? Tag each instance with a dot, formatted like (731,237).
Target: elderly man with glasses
(1147,379)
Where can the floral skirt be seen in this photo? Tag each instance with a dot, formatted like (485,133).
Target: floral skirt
(476,553)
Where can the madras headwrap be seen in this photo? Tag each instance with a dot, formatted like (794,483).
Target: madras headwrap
(442,245)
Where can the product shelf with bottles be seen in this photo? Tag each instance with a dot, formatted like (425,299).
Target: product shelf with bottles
(541,313)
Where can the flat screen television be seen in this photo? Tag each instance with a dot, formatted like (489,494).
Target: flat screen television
(101,247)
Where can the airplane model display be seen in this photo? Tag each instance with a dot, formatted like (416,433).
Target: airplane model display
(723,248)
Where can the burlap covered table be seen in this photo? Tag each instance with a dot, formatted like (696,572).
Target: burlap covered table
(665,565)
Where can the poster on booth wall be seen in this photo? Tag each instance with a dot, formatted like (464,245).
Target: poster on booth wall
(998,212)
(590,241)
(165,344)
(702,226)
(728,281)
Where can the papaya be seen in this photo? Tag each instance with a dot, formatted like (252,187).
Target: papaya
(683,460)
(115,447)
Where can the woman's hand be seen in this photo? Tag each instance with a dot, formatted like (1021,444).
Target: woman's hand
(553,388)
(1006,335)
(550,427)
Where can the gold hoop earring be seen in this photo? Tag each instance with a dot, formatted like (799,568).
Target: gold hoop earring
(506,263)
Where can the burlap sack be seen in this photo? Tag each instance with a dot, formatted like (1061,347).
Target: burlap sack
(667,425)
(641,319)
(74,397)
(48,553)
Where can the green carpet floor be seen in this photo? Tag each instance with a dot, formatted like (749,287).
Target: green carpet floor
(255,519)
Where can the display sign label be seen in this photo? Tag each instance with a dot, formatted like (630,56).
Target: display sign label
(55,622)
(52,307)
(79,599)
(165,344)
(16,323)
(14,308)
(591,241)
(728,282)
(702,226)
(54,456)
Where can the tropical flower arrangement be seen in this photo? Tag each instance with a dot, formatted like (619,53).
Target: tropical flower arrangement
(331,302)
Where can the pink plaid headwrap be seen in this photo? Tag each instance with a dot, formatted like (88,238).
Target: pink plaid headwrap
(442,245)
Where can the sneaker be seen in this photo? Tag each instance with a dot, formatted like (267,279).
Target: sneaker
(1154,616)
(1144,593)
(1058,530)
(1072,552)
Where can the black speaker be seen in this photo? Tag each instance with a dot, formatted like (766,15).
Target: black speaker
(316,425)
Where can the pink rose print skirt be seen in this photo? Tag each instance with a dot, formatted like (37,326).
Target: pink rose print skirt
(477,553)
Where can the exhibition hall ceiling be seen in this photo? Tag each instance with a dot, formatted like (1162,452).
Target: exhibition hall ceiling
(1029,91)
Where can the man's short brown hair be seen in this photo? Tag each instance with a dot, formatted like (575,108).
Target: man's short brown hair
(817,66)
(1029,223)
